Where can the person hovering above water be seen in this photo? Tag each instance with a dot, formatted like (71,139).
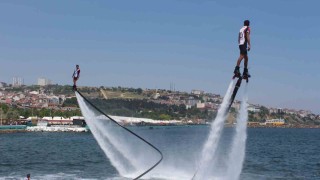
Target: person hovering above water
(75,76)
(244,46)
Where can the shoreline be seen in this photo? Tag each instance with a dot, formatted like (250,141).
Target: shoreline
(8,131)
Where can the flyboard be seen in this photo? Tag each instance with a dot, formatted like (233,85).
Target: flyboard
(236,88)
(134,134)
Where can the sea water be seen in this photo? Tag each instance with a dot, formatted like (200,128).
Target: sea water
(270,153)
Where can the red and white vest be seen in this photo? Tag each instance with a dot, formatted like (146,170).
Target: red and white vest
(242,39)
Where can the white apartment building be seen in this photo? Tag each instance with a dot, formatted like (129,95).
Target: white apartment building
(43,82)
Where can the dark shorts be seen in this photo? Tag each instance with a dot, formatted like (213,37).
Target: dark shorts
(243,49)
(75,78)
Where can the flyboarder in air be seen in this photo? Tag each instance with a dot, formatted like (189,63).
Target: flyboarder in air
(244,46)
(75,76)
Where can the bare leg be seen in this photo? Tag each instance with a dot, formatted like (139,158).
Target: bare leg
(246,61)
(75,84)
(245,72)
(240,59)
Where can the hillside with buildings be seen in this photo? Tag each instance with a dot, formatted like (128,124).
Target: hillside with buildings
(197,107)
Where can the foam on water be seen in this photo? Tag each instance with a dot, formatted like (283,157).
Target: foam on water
(69,176)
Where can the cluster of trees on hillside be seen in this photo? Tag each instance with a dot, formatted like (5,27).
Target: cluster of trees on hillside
(124,89)
(148,109)
(13,112)
(70,102)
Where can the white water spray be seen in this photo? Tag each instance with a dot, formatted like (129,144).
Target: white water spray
(130,159)
(237,154)
(128,154)
(211,144)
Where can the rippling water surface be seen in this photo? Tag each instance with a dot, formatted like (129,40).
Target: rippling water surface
(270,153)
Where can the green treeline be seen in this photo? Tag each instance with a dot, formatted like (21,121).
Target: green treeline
(70,102)
(13,112)
(149,109)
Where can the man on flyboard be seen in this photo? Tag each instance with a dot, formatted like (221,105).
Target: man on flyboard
(75,76)
(244,46)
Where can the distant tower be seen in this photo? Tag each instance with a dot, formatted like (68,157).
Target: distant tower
(172,87)
(17,81)
(280,113)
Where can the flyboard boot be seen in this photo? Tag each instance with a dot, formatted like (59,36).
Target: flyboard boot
(236,72)
(74,87)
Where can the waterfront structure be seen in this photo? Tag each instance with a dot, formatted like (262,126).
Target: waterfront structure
(275,122)
(57,120)
(42,123)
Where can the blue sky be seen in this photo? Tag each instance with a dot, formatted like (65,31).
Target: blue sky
(151,44)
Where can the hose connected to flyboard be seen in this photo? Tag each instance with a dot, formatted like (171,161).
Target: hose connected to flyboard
(148,170)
